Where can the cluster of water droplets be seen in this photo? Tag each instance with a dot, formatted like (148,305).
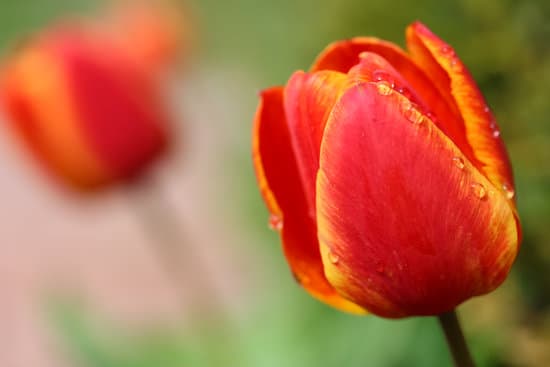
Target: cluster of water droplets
(449,52)
(479,189)
(495,132)
(386,85)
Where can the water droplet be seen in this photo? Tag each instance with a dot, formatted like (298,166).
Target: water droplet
(404,91)
(459,162)
(496,133)
(508,190)
(301,279)
(333,258)
(384,88)
(455,65)
(380,269)
(275,222)
(486,109)
(382,75)
(447,50)
(479,190)
(411,113)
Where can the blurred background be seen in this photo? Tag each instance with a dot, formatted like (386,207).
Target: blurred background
(80,284)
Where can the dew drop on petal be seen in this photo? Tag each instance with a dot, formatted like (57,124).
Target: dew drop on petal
(508,190)
(384,88)
(413,115)
(455,65)
(333,258)
(405,92)
(447,50)
(301,279)
(382,75)
(496,133)
(479,190)
(275,222)
(380,269)
(459,162)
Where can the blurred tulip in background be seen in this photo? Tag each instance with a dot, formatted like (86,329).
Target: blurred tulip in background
(88,103)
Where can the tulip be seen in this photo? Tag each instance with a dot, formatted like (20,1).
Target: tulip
(89,112)
(385,173)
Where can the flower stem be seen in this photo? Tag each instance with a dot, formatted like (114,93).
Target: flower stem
(180,259)
(455,339)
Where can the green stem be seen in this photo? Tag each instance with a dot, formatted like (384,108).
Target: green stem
(455,339)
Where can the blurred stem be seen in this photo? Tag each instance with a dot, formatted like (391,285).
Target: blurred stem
(175,253)
(455,339)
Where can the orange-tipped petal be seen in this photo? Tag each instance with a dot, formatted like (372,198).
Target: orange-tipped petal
(343,55)
(414,232)
(280,184)
(37,101)
(456,84)
(308,100)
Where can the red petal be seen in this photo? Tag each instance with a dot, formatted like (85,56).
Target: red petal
(343,55)
(281,188)
(36,97)
(407,225)
(119,112)
(308,101)
(457,86)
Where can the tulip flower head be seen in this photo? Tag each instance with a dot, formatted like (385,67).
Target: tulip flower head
(386,176)
(86,108)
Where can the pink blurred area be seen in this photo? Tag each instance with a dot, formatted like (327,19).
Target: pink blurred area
(96,248)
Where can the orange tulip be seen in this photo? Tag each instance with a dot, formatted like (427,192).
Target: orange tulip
(88,110)
(386,175)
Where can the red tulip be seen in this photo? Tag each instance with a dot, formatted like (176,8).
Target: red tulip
(89,112)
(385,173)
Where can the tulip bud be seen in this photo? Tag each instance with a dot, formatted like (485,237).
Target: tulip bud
(388,179)
(84,107)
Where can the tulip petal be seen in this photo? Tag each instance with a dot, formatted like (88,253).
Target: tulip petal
(308,101)
(280,185)
(118,112)
(455,82)
(407,225)
(343,55)
(37,99)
